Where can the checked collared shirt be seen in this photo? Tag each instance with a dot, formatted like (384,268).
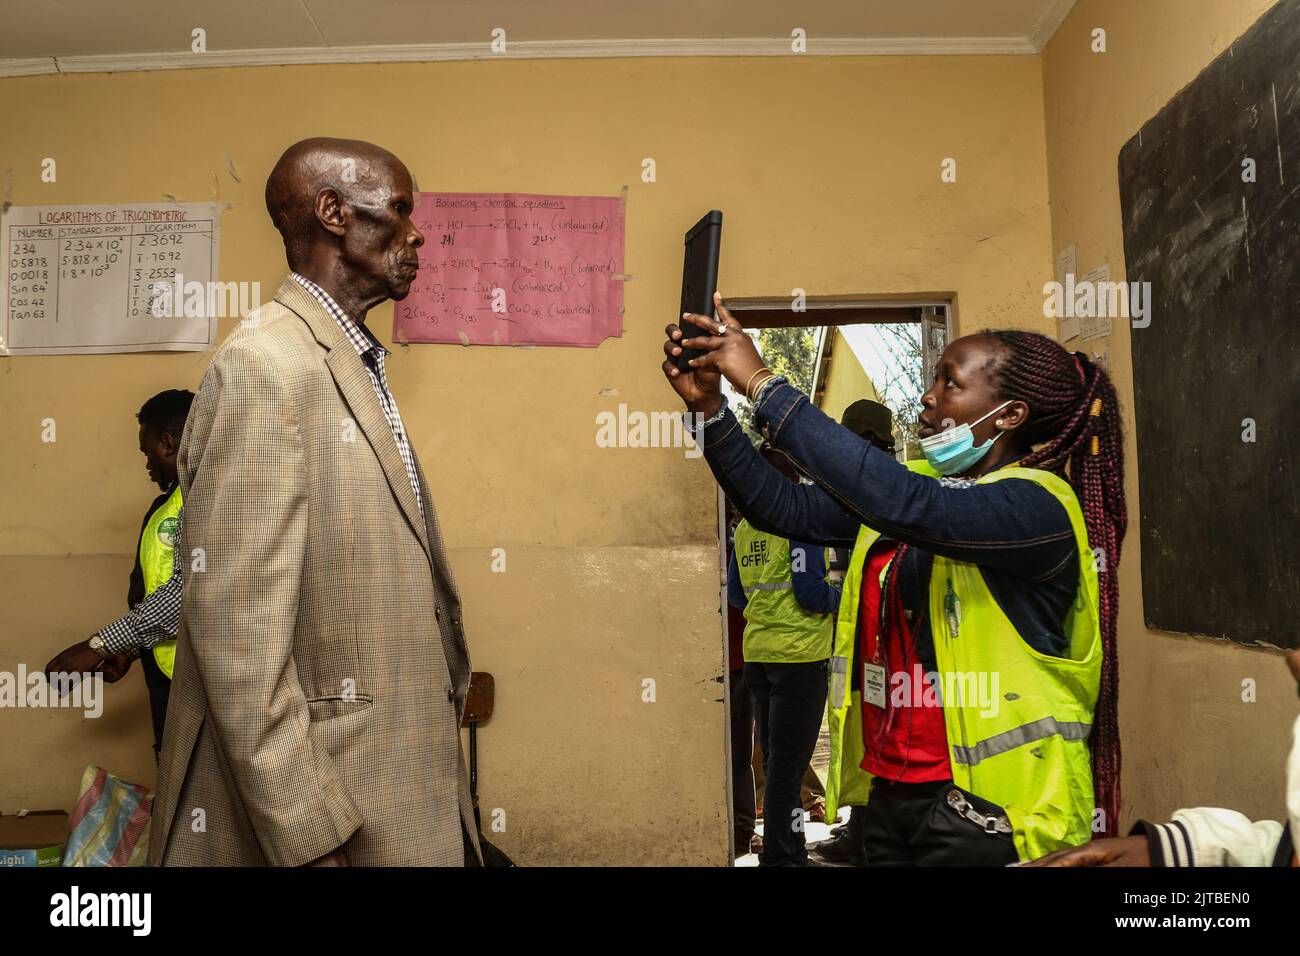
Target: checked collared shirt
(372,355)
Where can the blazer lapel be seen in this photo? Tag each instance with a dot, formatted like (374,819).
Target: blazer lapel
(353,380)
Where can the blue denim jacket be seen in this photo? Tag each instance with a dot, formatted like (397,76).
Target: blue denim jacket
(1015,531)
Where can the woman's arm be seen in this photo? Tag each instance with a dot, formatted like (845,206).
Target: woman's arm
(1013,525)
(770,500)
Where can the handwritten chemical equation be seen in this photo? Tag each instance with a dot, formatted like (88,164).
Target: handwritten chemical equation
(515,269)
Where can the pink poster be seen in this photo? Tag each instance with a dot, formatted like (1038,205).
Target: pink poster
(516,269)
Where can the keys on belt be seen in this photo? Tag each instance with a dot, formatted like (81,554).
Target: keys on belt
(995,824)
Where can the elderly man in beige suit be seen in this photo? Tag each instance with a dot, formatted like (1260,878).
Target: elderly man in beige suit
(321,667)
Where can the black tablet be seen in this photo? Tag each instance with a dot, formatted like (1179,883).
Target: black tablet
(699,279)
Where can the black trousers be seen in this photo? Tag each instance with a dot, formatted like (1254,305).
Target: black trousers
(911,824)
(743,804)
(789,700)
(160,688)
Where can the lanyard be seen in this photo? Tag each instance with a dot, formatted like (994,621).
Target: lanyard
(892,587)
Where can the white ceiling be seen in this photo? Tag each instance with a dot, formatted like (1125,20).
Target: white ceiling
(38,36)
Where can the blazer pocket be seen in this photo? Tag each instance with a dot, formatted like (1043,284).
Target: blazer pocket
(328,708)
(330,665)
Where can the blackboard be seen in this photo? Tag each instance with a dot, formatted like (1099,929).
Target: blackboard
(1219,528)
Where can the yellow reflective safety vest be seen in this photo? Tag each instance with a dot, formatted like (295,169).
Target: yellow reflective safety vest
(1026,748)
(157,543)
(777,628)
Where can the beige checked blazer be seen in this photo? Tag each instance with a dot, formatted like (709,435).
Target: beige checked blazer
(321,665)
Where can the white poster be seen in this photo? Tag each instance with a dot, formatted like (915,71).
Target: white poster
(1098,324)
(1065,266)
(89,279)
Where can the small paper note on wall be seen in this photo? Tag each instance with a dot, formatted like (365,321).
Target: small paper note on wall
(516,269)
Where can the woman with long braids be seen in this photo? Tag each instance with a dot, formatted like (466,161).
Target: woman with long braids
(973,683)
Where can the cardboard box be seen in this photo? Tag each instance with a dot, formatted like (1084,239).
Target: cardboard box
(34,839)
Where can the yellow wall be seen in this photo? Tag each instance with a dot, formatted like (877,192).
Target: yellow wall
(846,379)
(828,172)
(1188,738)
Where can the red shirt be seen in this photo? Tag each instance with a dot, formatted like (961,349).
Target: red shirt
(915,748)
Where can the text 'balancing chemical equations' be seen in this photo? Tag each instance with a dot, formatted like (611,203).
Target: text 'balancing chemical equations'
(515,269)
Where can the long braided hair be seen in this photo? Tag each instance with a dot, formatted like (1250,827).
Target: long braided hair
(1074,421)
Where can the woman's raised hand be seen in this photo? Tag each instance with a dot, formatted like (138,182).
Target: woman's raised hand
(731,353)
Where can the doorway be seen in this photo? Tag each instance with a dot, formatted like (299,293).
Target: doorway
(838,350)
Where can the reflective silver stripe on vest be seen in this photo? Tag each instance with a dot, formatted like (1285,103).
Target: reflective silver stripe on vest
(773,586)
(1018,737)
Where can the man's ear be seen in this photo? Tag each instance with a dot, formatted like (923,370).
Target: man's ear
(329,211)
(170,443)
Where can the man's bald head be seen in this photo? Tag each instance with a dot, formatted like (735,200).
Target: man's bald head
(359,172)
(344,210)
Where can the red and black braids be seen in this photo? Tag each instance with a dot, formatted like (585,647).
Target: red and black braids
(1074,421)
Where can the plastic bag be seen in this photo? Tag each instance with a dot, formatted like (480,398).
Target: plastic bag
(110,823)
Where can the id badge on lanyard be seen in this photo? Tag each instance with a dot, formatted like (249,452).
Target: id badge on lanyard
(873,684)
(873,671)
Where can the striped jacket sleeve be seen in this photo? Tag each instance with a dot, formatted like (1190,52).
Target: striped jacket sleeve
(1211,836)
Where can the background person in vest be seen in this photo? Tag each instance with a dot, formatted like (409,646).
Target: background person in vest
(1204,836)
(872,422)
(148,631)
(788,603)
(747,761)
(990,577)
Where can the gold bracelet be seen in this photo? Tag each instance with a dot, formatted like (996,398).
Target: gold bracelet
(751,380)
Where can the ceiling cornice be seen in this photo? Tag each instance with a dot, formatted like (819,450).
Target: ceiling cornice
(1048,23)
(28,66)
(535,50)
